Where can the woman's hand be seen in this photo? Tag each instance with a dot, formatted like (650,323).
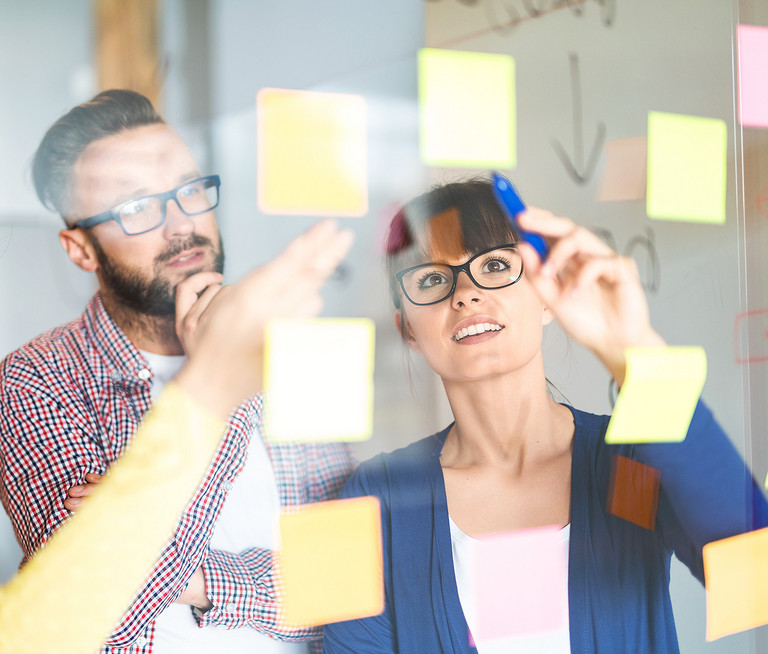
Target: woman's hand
(594,293)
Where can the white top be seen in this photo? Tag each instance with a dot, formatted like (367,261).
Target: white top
(550,642)
(248,519)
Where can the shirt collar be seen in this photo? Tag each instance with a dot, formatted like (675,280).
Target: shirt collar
(122,357)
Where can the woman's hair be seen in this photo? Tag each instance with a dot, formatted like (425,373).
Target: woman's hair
(108,113)
(468,209)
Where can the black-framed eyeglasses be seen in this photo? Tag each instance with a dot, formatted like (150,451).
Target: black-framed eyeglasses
(430,283)
(145,214)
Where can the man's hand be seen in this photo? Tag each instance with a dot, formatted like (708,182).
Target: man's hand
(77,494)
(193,297)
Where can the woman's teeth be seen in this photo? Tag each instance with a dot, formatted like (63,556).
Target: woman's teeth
(472,330)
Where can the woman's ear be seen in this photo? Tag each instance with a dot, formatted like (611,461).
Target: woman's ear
(79,248)
(547,316)
(401,322)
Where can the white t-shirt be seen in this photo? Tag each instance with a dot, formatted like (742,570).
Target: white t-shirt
(248,519)
(550,642)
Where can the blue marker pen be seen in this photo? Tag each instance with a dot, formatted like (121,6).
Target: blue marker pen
(507,197)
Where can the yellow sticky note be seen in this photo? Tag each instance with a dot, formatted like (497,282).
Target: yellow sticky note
(318,379)
(661,388)
(330,562)
(687,163)
(736,579)
(311,153)
(467,109)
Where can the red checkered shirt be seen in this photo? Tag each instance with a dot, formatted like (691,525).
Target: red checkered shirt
(70,403)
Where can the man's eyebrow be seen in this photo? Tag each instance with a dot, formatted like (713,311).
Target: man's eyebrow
(144,192)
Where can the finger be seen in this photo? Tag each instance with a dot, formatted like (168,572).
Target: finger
(571,249)
(76,491)
(188,291)
(93,477)
(72,503)
(545,223)
(610,270)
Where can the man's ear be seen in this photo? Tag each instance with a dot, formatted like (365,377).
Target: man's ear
(401,322)
(79,248)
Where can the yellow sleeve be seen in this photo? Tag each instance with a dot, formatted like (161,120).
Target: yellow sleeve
(72,592)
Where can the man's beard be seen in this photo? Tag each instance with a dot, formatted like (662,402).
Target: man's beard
(155,296)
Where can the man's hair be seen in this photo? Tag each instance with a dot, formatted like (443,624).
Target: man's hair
(108,113)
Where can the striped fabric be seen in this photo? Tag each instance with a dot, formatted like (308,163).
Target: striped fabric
(70,403)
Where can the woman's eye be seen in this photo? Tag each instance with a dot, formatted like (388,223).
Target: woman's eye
(495,266)
(432,279)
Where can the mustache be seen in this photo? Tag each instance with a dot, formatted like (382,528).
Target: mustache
(180,245)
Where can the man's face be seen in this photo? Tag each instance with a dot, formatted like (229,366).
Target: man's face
(142,272)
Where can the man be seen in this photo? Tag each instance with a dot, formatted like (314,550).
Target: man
(139,214)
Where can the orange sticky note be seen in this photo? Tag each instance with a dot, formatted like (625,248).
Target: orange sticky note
(736,579)
(633,493)
(312,153)
(330,562)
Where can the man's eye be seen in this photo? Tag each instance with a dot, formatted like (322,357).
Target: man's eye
(133,208)
(189,190)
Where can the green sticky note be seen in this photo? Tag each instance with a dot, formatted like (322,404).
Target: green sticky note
(661,388)
(687,164)
(467,110)
(318,379)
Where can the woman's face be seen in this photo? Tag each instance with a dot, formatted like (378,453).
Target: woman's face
(476,333)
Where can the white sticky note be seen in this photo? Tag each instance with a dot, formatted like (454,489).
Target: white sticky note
(318,379)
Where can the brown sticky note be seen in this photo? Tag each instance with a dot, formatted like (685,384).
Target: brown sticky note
(446,237)
(736,579)
(633,493)
(330,562)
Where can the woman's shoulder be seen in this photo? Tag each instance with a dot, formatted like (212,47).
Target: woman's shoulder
(405,465)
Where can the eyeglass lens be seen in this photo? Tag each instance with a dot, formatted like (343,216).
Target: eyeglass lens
(144,214)
(433,282)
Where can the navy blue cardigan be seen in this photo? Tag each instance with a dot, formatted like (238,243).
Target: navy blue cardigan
(618,575)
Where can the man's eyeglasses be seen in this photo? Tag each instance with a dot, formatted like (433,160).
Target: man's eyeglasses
(148,213)
(430,283)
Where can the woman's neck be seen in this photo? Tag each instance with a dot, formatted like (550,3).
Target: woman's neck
(507,421)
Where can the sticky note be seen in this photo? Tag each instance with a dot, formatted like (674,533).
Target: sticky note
(753,84)
(318,379)
(736,580)
(519,583)
(633,492)
(686,168)
(751,336)
(311,153)
(467,109)
(330,562)
(624,176)
(661,388)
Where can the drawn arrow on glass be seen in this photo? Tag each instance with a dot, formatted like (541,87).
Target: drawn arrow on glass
(579,172)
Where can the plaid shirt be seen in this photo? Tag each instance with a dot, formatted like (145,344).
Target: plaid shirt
(70,403)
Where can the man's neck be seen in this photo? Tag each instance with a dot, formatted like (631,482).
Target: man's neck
(156,334)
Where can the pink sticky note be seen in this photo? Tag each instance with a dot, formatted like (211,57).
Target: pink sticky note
(751,336)
(520,583)
(625,170)
(753,84)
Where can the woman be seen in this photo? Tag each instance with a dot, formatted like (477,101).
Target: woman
(514,458)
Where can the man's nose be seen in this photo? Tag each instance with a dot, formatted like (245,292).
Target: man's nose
(177,223)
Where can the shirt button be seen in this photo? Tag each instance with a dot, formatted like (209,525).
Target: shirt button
(144,374)
(231,608)
(228,486)
(141,641)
